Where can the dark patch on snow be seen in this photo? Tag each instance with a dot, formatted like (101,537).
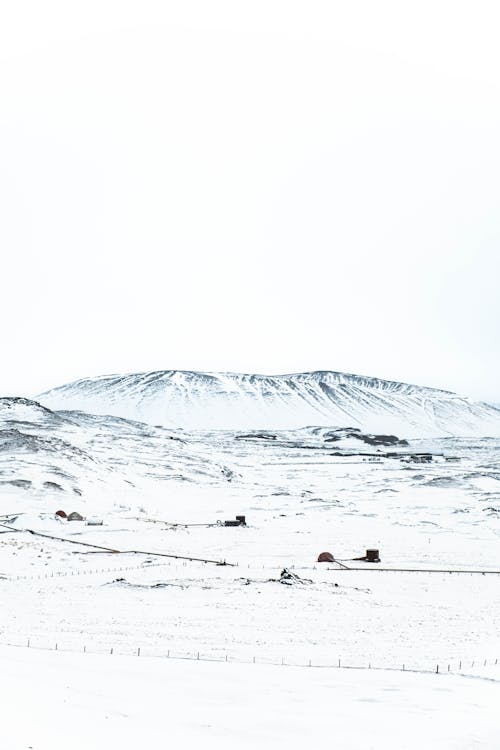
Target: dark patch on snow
(53,486)
(256,436)
(14,441)
(127,584)
(286,577)
(334,436)
(290,579)
(443,482)
(228,473)
(24,484)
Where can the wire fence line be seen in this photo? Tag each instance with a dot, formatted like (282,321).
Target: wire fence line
(69,572)
(88,571)
(461,667)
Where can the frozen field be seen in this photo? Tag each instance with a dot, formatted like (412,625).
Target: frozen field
(163,492)
(95,701)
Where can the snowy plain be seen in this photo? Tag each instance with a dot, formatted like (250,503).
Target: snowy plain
(302,492)
(96,701)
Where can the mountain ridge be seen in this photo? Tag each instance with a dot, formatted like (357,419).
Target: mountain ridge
(257,376)
(220,400)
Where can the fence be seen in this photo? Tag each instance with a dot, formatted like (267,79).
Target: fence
(469,668)
(178,563)
(88,571)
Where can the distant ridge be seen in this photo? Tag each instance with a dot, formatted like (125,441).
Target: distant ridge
(216,400)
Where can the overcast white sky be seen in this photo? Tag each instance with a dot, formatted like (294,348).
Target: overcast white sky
(250,186)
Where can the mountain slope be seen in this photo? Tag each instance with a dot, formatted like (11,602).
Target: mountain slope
(70,454)
(195,400)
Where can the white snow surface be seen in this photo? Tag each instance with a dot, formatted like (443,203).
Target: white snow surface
(197,400)
(302,491)
(55,701)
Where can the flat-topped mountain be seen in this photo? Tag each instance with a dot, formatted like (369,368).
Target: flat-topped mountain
(198,400)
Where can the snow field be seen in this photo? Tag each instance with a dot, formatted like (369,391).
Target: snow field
(92,701)
(299,500)
(362,617)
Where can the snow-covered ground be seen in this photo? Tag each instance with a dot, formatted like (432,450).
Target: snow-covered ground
(302,492)
(55,701)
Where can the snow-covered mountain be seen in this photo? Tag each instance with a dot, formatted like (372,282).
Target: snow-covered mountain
(48,453)
(196,400)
